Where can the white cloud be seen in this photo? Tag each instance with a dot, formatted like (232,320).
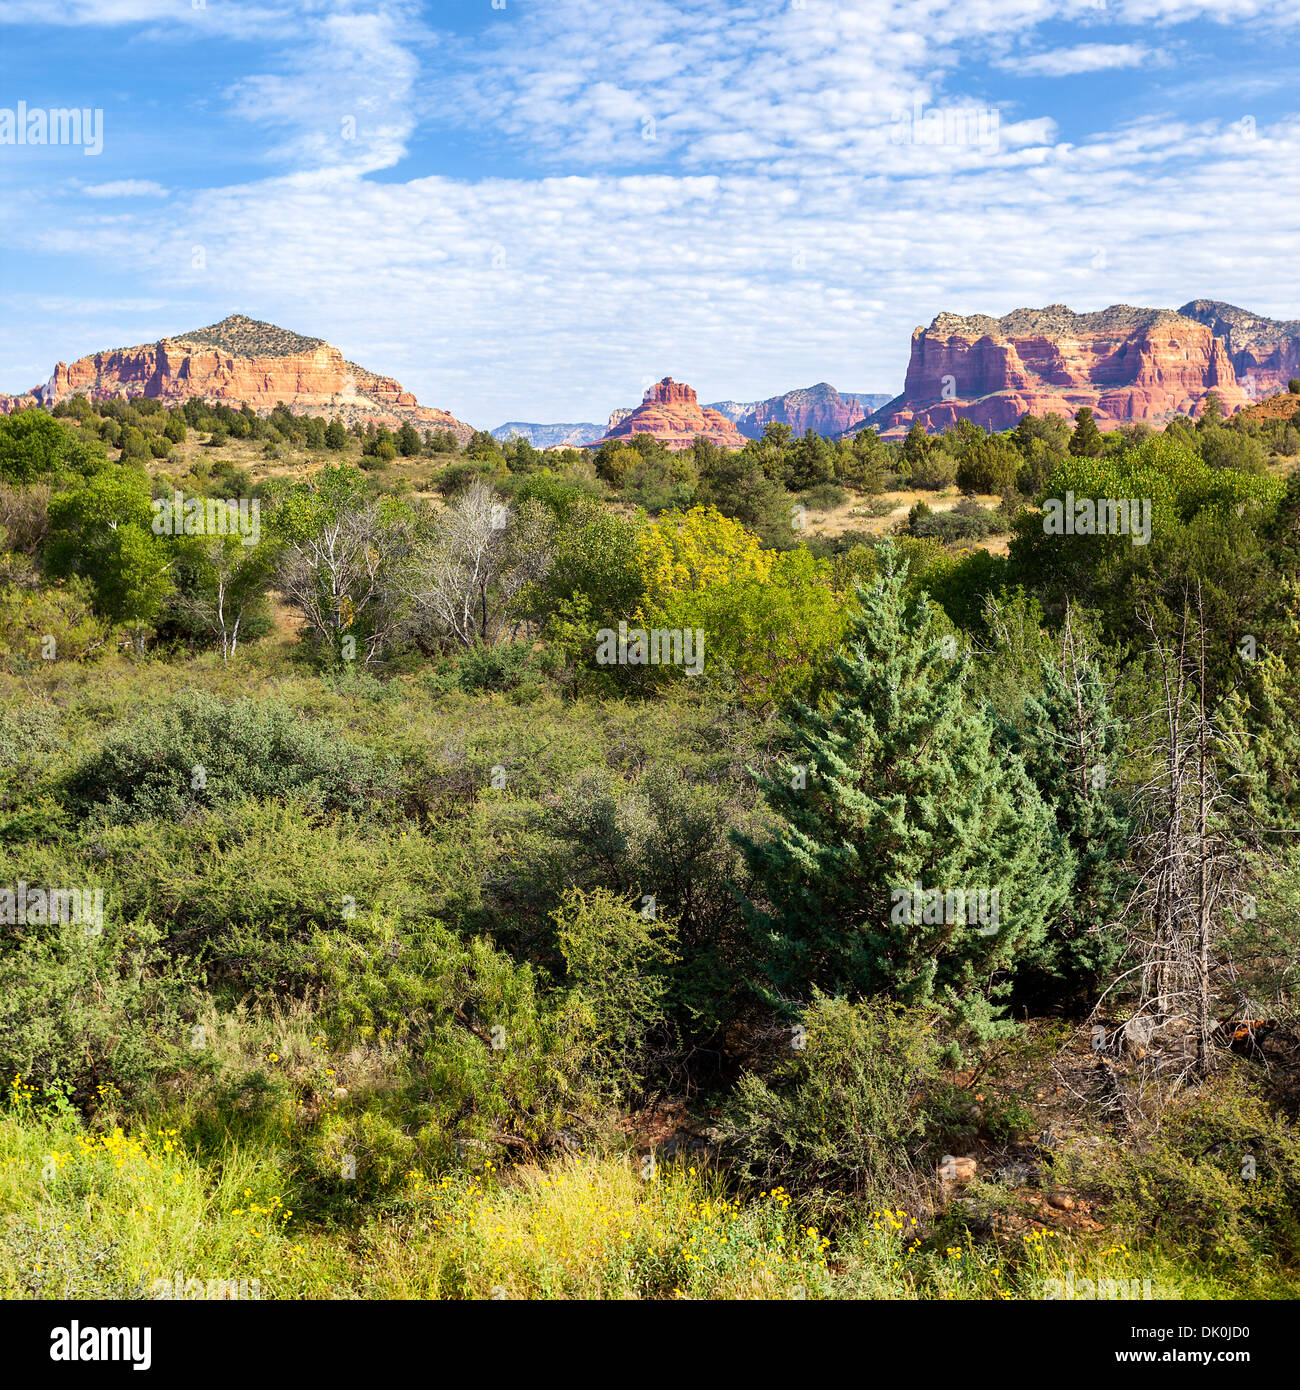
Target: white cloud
(124,188)
(556,298)
(775,231)
(346,100)
(1083,58)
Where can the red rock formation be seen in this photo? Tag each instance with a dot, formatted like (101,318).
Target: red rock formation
(241,361)
(1125,363)
(672,413)
(1265,352)
(819,408)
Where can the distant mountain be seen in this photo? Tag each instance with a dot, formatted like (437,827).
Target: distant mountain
(1124,363)
(821,408)
(870,401)
(1265,349)
(733,410)
(550,436)
(242,361)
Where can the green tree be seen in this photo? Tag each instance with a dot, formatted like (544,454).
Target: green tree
(103,529)
(1086,441)
(33,445)
(1211,412)
(336,435)
(1232,448)
(896,793)
(1072,743)
(988,465)
(408,441)
(225,581)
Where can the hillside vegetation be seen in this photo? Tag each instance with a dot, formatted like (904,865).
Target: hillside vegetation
(915,916)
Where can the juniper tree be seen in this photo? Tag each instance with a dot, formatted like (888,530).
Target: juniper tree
(1071,743)
(897,787)
(1086,441)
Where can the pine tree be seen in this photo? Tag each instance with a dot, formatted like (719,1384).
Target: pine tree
(1086,441)
(898,789)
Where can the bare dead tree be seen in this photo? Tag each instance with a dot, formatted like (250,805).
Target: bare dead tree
(345,570)
(466,578)
(1187,860)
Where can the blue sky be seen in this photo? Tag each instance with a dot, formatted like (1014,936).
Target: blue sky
(530,211)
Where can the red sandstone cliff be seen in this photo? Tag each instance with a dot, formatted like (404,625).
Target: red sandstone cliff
(819,408)
(238,361)
(1125,363)
(672,413)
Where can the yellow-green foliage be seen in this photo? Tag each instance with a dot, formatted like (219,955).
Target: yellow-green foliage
(769,618)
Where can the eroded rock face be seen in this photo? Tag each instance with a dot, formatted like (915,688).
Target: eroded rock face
(819,408)
(1125,363)
(238,361)
(672,413)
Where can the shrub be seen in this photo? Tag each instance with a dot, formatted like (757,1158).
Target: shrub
(824,497)
(1190,1183)
(967,521)
(80,1011)
(842,1109)
(56,623)
(505,668)
(197,751)
(618,959)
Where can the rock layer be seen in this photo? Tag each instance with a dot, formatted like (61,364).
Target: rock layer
(672,413)
(242,361)
(1125,363)
(821,408)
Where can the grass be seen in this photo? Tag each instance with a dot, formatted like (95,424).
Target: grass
(106,1213)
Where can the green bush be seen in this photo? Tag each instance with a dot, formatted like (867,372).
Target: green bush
(841,1112)
(262,893)
(197,751)
(82,1010)
(965,522)
(1220,1177)
(618,959)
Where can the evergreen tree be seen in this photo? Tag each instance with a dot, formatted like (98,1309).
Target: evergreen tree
(1071,744)
(1086,441)
(336,435)
(898,794)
